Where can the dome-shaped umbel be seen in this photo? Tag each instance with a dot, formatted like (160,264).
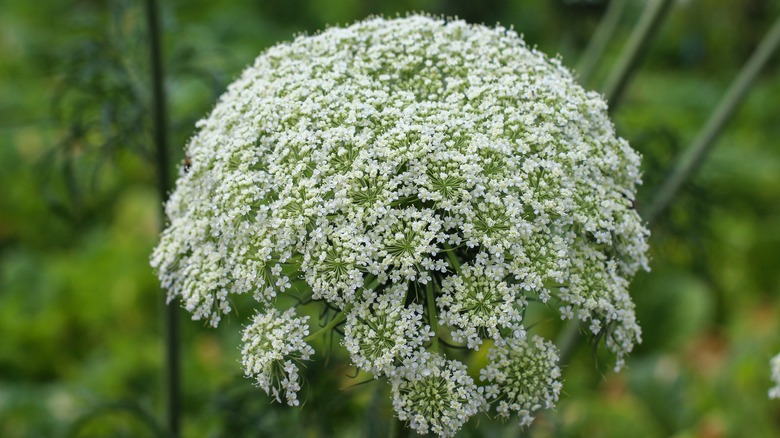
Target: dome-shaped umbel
(426,179)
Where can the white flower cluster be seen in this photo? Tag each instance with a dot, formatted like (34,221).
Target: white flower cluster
(434,394)
(380,330)
(478,303)
(774,392)
(523,376)
(427,178)
(273,349)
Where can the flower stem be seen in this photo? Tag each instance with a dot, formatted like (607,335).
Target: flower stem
(397,429)
(605,32)
(371,282)
(567,342)
(430,303)
(341,316)
(452,257)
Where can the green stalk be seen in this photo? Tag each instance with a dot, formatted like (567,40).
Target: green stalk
(635,48)
(452,257)
(430,303)
(567,341)
(397,429)
(371,282)
(605,32)
(694,156)
(160,132)
(341,316)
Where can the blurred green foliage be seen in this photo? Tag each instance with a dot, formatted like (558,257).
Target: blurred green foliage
(80,336)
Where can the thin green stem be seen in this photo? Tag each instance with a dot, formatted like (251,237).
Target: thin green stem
(160,132)
(450,249)
(430,303)
(341,316)
(567,341)
(452,257)
(694,156)
(370,282)
(605,32)
(397,429)
(404,201)
(635,48)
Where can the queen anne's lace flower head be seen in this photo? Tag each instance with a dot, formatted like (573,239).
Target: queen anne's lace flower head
(380,330)
(434,394)
(427,179)
(273,349)
(479,304)
(523,376)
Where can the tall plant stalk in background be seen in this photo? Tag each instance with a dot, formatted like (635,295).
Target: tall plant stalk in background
(160,130)
(649,22)
(604,33)
(693,157)
(635,49)
(112,102)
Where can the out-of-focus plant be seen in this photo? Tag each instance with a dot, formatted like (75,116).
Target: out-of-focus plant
(102,102)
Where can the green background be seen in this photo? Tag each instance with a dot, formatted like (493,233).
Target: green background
(80,328)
